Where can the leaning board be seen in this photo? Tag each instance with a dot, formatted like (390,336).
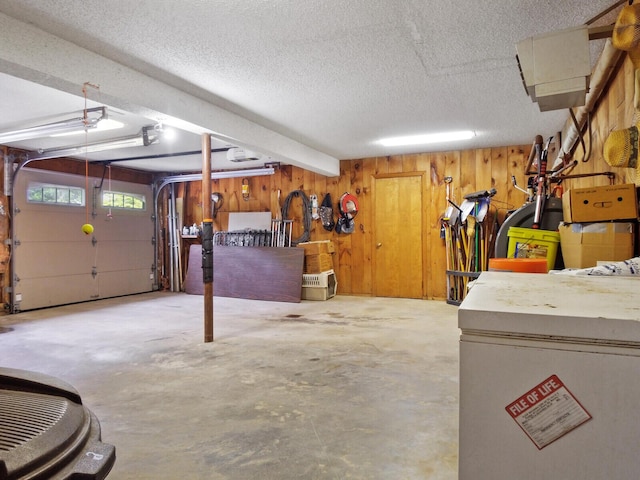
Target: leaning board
(256,273)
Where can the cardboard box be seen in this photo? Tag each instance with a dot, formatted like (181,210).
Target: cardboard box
(316,248)
(318,263)
(584,244)
(597,204)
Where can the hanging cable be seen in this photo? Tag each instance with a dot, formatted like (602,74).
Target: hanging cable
(306,212)
(87,228)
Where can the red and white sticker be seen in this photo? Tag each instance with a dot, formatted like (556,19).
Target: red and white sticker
(547,412)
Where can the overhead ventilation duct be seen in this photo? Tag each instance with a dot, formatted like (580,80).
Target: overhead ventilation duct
(238,155)
(555,68)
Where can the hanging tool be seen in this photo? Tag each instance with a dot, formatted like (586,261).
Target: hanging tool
(216,202)
(314,207)
(245,189)
(528,192)
(534,154)
(444,228)
(449,210)
(542,173)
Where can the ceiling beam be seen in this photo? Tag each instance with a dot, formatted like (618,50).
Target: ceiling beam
(35,55)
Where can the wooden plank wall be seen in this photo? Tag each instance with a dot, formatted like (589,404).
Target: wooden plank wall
(471,170)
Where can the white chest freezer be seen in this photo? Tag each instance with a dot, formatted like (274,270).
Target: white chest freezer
(550,378)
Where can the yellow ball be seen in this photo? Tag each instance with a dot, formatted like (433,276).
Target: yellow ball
(87,229)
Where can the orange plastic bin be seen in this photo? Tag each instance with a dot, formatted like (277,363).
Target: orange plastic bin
(522,265)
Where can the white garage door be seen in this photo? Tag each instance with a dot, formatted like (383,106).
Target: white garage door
(55,263)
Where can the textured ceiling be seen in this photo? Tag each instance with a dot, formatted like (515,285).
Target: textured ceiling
(333,75)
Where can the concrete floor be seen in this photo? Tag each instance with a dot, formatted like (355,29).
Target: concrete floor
(350,388)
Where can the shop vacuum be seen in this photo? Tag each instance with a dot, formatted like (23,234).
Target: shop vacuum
(46,432)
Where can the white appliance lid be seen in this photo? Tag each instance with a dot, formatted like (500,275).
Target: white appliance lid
(583,307)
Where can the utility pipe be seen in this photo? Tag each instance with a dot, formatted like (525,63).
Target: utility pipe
(600,76)
(174,245)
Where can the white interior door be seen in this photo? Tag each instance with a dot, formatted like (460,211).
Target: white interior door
(55,263)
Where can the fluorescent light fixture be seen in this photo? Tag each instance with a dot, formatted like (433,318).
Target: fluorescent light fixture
(72,125)
(253,172)
(148,136)
(103,126)
(427,138)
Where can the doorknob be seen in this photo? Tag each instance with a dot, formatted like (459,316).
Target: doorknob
(378,245)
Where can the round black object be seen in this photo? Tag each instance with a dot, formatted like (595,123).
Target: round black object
(46,432)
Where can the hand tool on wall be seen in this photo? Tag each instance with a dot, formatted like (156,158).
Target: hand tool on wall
(348,207)
(216,203)
(542,187)
(528,192)
(245,189)
(445,221)
(314,207)
(479,202)
(534,154)
(326,213)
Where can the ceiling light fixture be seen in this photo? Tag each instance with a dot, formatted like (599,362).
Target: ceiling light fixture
(427,138)
(149,135)
(169,134)
(104,126)
(79,124)
(254,172)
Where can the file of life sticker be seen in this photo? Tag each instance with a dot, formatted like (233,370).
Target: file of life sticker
(547,412)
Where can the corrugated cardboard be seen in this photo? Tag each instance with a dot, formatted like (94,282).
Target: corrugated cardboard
(318,263)
(315,248)
(597,204)
(584,244)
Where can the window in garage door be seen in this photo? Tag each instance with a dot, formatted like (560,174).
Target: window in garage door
(55,263)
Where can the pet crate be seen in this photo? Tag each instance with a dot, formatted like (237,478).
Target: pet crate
(319,286)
